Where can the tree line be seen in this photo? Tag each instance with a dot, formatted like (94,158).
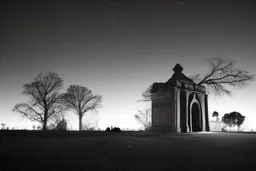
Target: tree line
(46,102)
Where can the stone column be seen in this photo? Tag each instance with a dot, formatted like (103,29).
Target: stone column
(153,108)
(177,111)
(206,113)
(191,126)
(190,113)
(187,110)
(202,99)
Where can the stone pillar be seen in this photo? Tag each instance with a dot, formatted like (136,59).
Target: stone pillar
(190,121)
(206,113)
(187,110)
(153,108)
(177,111)
(203,112)
(190,113)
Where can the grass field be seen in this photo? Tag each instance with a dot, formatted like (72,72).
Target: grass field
(126,151)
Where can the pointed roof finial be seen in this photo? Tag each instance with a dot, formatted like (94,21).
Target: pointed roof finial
(178,68)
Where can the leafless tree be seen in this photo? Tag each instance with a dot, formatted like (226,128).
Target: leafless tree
(44,99)
(224,74)
(81,100)
(146,95)
(144,118)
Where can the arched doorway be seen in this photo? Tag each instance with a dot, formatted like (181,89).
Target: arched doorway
(196,118)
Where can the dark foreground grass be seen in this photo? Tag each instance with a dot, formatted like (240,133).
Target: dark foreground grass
(126,151)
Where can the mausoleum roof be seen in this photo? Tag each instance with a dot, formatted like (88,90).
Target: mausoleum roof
(178,75)
(179,80)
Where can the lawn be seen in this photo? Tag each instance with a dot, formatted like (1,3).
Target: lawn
(126,151)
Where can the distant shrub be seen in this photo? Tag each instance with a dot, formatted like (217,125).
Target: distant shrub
(90,129)
(108,129)
(223,130)
(116,129)
(61,125)
(252,130)
(142,130)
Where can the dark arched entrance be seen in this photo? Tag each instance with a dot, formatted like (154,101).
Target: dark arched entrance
(196,118)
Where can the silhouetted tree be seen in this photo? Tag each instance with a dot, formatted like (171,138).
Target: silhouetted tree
(215,114)
(233,119)
(38,127)
(3,125)
(81,100)
(238,117)
(227,120)
(116,129)
(222,75)
(61,125)
(108,129)
(144,118)
(44,99)
(146,95)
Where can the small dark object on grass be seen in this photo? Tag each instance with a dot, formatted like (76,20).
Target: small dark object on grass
(116,129)
(108,129)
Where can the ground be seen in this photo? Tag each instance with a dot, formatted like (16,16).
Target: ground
(126,151)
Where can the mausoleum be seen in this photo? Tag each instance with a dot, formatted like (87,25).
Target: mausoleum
(179,105)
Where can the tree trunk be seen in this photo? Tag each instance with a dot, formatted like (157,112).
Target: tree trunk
(45,114)
(45,125)
(45,120)
(80,122)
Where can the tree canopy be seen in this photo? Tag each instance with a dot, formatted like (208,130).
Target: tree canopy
(80,100)
(233,119)
(43,94)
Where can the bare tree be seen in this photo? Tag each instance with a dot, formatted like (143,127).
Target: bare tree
(146,95)
(222,75)
(81,100)
(144,118)
(44,99)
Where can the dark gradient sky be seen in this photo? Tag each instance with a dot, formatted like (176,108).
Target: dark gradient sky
(118,48)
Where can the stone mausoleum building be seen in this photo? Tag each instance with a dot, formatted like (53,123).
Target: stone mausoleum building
(179,105)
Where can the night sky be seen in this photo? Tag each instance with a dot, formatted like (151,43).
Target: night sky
(118,48)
